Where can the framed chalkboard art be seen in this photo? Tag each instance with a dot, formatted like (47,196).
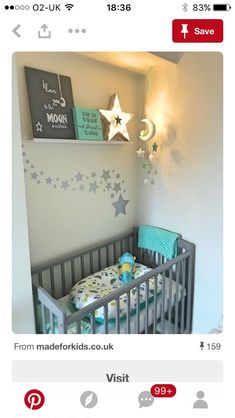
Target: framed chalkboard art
(51,102)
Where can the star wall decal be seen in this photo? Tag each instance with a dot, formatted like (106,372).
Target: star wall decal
(117,187)
(34,176)
(93,187)
(80,182)
(116,129)
(106,175)
(49,180)
(79,176)
(120,205)
(155,146)
(65,184)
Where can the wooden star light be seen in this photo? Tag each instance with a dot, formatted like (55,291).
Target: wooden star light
(116,129)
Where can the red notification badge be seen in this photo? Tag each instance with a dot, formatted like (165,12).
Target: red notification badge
(163,391)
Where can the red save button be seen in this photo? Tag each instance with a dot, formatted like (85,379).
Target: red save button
(197,30)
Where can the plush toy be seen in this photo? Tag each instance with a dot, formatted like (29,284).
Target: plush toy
(126,267)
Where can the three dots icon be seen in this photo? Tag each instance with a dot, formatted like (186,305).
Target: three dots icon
(76,30)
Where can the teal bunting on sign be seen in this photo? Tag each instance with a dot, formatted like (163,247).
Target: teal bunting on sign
(87,123)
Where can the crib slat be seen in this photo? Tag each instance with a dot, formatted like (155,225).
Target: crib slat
(63,279)
(182,321)
(114,253)
(146,306)
(78,327)
(52,323)
(138,310)
(177,299)
(40,279)
(93,322)
(52,279)
(121,247)
(189,295)
(159,259)
(128,312)
(44,330)
(99,258)
(170,296)
(82,267)
(73,271)
(117,316)
(107,256)
(163,302)
(106,325)
(91,262)
(155,306)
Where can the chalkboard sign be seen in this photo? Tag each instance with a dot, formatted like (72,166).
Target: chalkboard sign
(51,103)
(87,124)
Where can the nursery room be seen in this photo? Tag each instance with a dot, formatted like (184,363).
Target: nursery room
(117,192)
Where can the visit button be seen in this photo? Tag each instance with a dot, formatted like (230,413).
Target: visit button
(197,30)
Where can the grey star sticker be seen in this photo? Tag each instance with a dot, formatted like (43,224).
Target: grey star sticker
(82,187)
(65,185)
(112,195)
(108,186)
(93,174)
(93,187)
(27,161)
(117,187)
(120,205)
(34,175)
(79,176)
(49,180)
(118,176)
(106,175)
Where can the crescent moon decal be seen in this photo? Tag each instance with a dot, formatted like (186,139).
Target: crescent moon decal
(150,132)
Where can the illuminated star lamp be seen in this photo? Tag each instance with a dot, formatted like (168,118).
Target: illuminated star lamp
(116,128)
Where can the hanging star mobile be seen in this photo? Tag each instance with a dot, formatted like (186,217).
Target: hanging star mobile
(116,129)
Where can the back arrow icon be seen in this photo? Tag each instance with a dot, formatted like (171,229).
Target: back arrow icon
(15,31)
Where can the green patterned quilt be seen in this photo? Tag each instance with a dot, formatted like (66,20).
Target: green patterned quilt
(103,283)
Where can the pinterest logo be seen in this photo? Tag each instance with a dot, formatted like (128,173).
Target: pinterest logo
(34,399)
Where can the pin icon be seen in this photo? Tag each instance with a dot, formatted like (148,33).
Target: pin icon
(184,29)
(34,399)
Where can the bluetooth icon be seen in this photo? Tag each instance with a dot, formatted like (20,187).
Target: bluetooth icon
(185,7)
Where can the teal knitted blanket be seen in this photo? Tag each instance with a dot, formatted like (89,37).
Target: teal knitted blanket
(159,240)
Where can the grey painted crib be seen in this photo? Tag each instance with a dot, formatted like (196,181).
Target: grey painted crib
(167,313)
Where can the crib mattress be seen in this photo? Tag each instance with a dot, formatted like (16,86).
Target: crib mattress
(100,328)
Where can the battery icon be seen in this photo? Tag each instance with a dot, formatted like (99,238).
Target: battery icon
(221,7)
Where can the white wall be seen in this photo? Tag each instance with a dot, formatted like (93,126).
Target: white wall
(186,104)
(22,303)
